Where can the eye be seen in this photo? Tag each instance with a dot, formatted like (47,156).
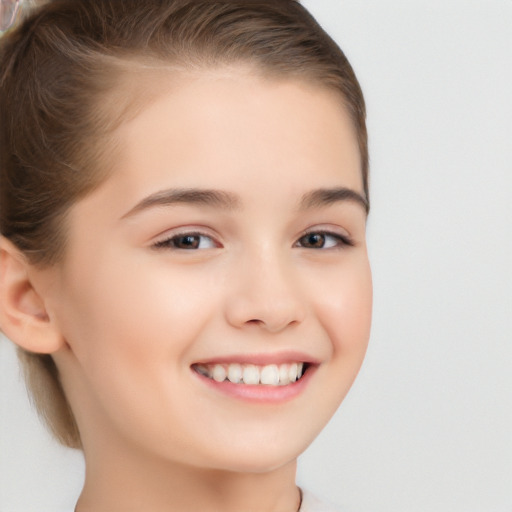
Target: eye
(187,241)
(323,240)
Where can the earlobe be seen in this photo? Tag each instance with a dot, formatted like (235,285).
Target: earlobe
(23,315)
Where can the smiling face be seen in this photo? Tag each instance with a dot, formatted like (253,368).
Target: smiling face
(215,295)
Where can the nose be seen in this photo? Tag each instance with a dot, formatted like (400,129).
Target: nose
(265,293)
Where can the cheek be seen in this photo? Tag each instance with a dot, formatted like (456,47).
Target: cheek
(342,300)
(131,334)
(138,316)
(345,309)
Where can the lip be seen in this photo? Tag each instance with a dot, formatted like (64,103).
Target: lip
(263,359)
(260,394)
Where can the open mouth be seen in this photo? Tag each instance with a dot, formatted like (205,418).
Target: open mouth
(253,375)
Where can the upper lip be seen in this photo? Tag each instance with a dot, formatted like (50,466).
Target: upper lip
(262,359)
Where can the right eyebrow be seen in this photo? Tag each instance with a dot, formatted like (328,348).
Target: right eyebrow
(208,197)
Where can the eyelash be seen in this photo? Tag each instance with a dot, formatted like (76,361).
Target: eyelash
(340,240)
(171,242)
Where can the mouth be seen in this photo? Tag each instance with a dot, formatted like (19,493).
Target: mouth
(272,375)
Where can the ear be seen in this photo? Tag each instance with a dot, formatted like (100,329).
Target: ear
(23,315)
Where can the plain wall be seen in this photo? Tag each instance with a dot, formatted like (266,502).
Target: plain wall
(428,424)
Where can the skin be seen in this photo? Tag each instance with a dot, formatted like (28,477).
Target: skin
(132,315)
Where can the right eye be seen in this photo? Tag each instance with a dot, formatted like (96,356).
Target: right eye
(187,241)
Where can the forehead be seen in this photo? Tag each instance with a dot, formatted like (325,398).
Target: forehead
(234,120)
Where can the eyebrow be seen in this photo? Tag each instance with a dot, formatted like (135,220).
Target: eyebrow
(213,198)
(229,201)
(327,196)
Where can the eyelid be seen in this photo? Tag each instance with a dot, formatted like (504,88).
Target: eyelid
(345,239)
(160,241)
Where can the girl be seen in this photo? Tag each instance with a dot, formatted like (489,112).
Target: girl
(183,266)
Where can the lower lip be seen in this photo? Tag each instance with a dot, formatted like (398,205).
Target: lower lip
(260,393)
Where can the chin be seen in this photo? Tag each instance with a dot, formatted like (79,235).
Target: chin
(258,465)
(257,458)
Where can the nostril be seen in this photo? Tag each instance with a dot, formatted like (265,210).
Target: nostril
(271,324)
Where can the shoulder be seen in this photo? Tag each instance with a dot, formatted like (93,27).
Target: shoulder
(310,503)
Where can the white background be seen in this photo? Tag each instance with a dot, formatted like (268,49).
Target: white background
(428,424)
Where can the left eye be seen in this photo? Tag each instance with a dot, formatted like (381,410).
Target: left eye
(321,240)
(187,241)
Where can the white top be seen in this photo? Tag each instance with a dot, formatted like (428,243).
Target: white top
(311,503)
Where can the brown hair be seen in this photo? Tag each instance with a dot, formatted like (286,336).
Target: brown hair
(59,74)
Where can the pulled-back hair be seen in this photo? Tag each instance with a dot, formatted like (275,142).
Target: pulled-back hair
(74,70)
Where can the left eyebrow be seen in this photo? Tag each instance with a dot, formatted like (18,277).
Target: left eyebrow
(327,196)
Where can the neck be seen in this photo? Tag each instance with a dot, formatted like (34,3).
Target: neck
(124,484)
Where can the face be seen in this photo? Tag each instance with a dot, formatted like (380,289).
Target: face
(218,281)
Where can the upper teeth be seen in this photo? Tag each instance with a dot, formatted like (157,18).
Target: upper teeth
(270,375)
